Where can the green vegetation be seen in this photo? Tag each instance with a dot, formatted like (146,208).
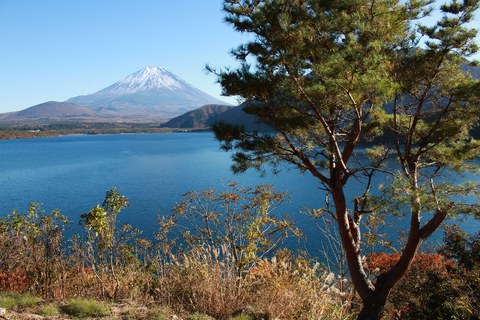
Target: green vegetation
(48,310)
(22,131)
(241,220)
(445,285)
(17,301)
(330,75)
(327,76)
(238,267)
(242,317)
(155,314)
(84,308)
(199,316)
(177,274)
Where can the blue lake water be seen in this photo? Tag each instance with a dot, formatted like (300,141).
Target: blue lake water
(72,173)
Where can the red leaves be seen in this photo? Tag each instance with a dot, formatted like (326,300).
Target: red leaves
(14,281)
(422,263)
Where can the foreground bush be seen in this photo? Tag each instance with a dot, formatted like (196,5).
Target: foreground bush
(32,248)
(225,266)
(438,286)
(283,287)
(222,265)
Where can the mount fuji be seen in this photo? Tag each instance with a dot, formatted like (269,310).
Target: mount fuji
(152,93)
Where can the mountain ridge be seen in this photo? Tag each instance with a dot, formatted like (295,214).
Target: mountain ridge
(152,91)
(206,116)
(200,118)
(52,111)
(151,94)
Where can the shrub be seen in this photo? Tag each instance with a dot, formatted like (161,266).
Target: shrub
(225,271)
(293,287)
(437,286)
(32,244)
(242,219)
(461,247)
(105,241)
(422,263)
(203,280)
(413,294)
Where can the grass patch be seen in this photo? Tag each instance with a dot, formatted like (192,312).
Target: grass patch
(199,316)
(242,317)
(48,310)
(17,301)
(156,314)
(83,308)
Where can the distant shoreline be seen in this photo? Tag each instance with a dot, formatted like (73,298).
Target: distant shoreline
(12,133)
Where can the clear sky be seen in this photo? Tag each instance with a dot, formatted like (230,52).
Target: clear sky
(58,49)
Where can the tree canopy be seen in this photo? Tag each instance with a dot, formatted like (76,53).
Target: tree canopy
(329,76)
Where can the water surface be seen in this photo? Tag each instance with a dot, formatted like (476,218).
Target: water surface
(72,173)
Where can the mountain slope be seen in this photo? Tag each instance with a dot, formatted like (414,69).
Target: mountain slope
(152,92)
(472,69)
(206,116)
(200,118)
(237,116)
(52,111)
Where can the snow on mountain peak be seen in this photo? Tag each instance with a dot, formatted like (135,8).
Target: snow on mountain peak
(148,78)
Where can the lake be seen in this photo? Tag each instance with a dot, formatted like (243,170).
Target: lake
(72,173)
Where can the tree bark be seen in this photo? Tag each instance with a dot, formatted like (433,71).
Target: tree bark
(373,306)
(359,278)
(375,296)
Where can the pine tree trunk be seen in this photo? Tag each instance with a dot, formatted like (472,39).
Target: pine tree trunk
(373,307)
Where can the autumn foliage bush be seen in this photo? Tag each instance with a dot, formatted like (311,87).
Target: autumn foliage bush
(220,270)
(444,285)
(227,265)
(423,262)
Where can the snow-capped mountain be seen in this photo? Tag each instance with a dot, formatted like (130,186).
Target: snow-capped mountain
(151,93)
(149,78)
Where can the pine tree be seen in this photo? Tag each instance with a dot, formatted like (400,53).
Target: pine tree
(330,75)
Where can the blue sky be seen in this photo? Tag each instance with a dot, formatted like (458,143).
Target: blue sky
(58,49)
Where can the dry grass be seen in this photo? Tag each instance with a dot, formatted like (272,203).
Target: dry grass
(112,265)
(205,282)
